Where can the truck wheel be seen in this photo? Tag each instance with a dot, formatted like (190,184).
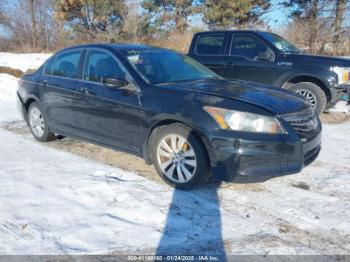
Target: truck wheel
(179,156)
(313,93)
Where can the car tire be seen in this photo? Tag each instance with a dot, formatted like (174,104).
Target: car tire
(179,156)
(313,93)
(38,123)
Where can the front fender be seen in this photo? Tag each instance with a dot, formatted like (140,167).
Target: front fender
(328,78)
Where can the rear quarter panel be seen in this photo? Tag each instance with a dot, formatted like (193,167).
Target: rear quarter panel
(29,89)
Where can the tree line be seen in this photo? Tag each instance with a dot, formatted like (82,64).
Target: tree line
(319,26)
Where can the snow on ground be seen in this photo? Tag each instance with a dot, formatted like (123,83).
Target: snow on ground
(341,106)
(23,61)
(54,202)
(8,87)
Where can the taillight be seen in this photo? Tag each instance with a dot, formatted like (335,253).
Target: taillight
(19,82)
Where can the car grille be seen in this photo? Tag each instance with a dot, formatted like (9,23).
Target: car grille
(305,123)
(311,155)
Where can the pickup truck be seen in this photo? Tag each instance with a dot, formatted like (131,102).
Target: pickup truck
(267,58)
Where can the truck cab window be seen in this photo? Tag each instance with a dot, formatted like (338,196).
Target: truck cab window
(248,47)
(210,44)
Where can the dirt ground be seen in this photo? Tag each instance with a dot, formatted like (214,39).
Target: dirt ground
(334,118)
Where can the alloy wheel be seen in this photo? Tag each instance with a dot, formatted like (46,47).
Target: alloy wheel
(176,158)
(36,122)
(309,96)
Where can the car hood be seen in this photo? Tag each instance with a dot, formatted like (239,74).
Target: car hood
(331,60)
(275,100)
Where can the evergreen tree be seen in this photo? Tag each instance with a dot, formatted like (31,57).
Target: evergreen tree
(225,14)
(92,16)
(168,14)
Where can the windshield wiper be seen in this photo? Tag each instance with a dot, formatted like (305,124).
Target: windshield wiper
(292,51)
(215,77)
(176,81)
(189,80)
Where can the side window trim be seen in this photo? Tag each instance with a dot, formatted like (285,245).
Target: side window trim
(54,57)
(81,64)
(247,35)
(86,56)
(210,34)
(51,59)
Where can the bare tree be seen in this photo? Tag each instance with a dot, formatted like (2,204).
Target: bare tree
(313,15)
(338,22)
(33,21)
(30,24)
(132,25)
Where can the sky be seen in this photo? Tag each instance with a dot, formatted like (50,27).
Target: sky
(277,16)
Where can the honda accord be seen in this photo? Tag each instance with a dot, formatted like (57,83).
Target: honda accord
(187,121)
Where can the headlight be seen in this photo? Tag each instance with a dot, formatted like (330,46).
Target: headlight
(245,122)
(343,74)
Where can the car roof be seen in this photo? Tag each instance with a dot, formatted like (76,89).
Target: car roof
(116,46)
(233,31)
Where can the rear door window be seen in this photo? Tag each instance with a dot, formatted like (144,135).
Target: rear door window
(212,44)
(64,65)
(247,47)
(100,65)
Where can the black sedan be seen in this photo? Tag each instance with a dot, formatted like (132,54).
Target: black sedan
(172,111)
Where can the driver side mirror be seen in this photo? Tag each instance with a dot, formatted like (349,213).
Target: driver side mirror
(115,82)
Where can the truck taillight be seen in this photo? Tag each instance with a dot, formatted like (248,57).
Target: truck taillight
(346,76)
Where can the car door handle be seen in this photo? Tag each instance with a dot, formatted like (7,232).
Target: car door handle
(44,83)
(86,91)
(229,64)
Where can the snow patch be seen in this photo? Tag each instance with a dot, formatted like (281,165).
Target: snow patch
(340,107)
(8,87)
(23,61)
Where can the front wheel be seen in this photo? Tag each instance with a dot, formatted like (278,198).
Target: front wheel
(179,156)
(38,123)
(313,94)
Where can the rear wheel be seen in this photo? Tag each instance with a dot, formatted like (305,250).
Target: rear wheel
(312,93)
(179,156)
(38,123)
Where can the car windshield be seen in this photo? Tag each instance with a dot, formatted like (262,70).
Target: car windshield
(157,66)
(280,43)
